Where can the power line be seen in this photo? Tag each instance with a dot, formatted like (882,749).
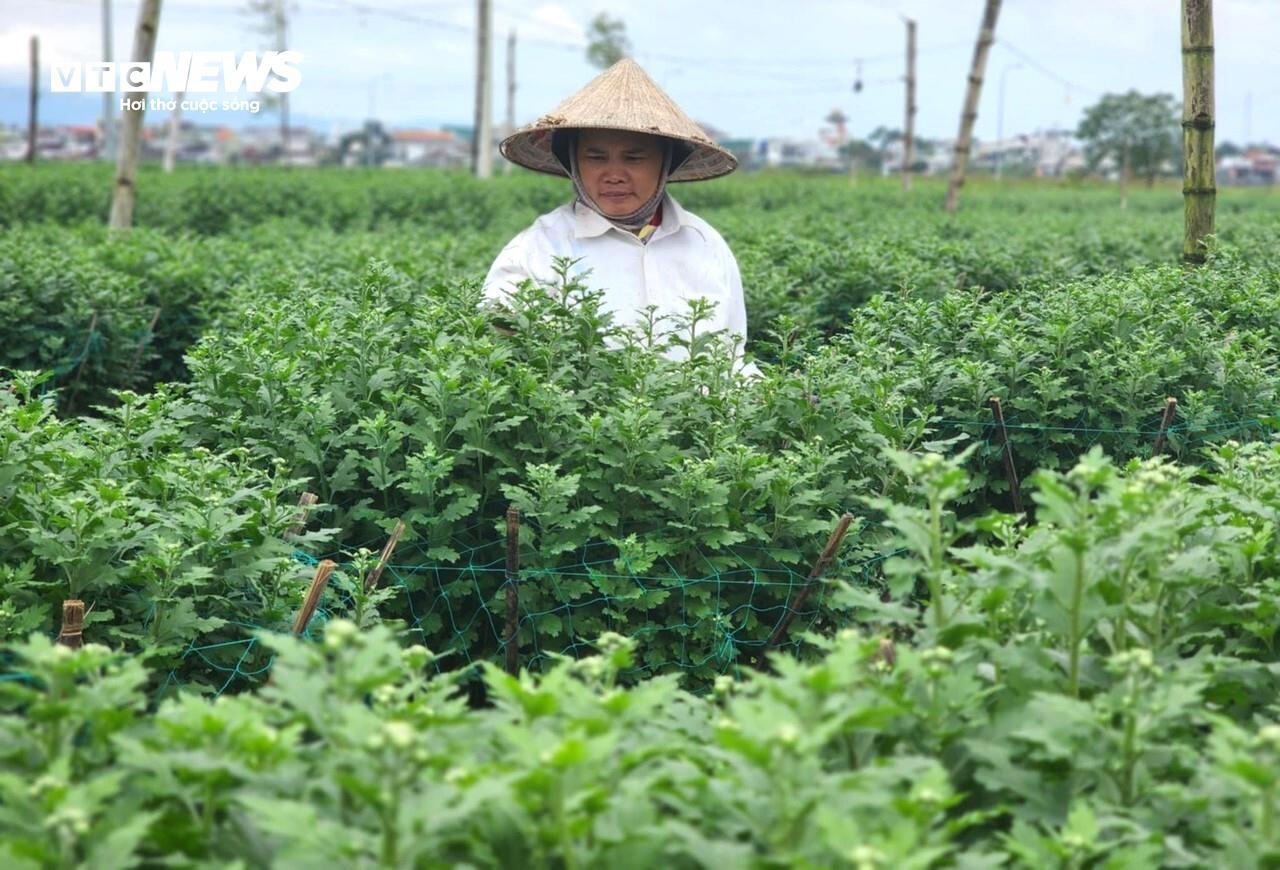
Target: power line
(1032,62)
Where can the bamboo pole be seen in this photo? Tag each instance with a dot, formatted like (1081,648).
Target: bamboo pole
(144,46)
(1006,452)
(1198,184)
(33,102)
(312,601)
(819,568)
(375,573)
(964,141)
(305,501)
(909,127)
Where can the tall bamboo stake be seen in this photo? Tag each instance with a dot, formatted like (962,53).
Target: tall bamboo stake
(964,141)
(144,47)
(909,127)
(1198,184)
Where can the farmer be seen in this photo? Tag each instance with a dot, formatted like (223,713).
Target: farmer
(621,140)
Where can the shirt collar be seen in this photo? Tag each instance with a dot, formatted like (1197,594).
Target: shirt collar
(589,224)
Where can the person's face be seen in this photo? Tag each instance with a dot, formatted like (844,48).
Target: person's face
(619,169)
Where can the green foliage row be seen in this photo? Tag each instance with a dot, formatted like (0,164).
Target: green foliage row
(1096,690)
(811,251)
(172,548)
(635,473)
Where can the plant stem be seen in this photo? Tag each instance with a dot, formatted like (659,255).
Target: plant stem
(1077,600)
(935,562)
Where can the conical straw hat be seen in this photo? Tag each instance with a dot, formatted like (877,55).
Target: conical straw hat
(623,97)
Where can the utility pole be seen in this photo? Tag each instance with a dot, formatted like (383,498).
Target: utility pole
(964,141)
(175,127)
(857,89)
(144,49)
(481,146)
(1000,121)
(108,97)
(909,127)
(33,114)
(1199,191)
(511,95)
(282,36)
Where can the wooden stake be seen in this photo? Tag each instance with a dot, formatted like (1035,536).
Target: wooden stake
(305,501)
(819,567)
(512,639)
(144,46)
(33,103)
(964,141)
(71,635)
(146,339)
(1199,190)
(909,127)
(1170,409)
(88,344)
(312,601)
(375,574)
(1010,472)
(84,358)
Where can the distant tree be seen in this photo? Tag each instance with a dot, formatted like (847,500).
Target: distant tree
(607,41)
(1146,126)
(881,138)
(1229,149)
(860,151)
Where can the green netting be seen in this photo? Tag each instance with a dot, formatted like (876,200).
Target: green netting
(705,613)
(459,609)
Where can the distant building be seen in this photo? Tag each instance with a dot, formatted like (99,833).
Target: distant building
(1255,166)
(1042,154)
(936,157)
(784,152)
(441,148)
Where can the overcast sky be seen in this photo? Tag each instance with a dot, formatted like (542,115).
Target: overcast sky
(750,69)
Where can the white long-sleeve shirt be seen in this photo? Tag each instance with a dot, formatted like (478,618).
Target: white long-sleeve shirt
(684,257)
